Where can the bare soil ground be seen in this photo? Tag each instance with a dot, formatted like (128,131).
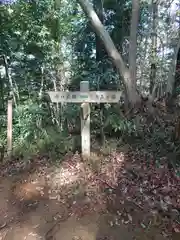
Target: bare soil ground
(75,200)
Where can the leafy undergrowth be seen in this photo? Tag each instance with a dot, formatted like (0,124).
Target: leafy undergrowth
(139,194)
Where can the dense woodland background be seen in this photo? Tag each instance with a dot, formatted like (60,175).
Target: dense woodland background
(53,45)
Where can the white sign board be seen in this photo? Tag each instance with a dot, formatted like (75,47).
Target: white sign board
(85,97)
(90,97)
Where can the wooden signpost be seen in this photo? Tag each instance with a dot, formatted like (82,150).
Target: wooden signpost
(84,96)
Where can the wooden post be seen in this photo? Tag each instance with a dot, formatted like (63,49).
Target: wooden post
(9,128)
(85,97)
(85,122)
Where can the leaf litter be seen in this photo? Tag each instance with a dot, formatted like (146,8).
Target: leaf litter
(140,193)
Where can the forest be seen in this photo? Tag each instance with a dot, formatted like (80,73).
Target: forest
(129,187)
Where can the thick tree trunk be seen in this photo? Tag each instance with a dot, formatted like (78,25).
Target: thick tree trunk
(112,51)
(133,40)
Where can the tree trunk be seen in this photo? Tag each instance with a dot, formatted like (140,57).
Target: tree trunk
(172,82)
(172,71)
(133,40)
(2,107)
(8,75)
(112,51)
(154,45)
(100,51)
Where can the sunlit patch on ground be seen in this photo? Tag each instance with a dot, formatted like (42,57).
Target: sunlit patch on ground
(28,191)
(111,169)
(65,175)
(23,232)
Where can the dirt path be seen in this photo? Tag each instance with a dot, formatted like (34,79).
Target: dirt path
(60,202)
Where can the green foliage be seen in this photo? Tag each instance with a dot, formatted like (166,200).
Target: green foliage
(124,126)
(28,119)
(33,33)
(3,129)
(49,45)
(31,134)
(177,90)
(50,142)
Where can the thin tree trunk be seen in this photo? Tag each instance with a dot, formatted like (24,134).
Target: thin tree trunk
(100,51)
(154,46)
(100,54)
(112,51)
(142,61)
(2,93)
(9,128)
(133,40)
(39,121)
(42,83)
(8,75)
(56,112)
(60,75)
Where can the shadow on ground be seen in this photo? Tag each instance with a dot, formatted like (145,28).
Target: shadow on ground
(76,200)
